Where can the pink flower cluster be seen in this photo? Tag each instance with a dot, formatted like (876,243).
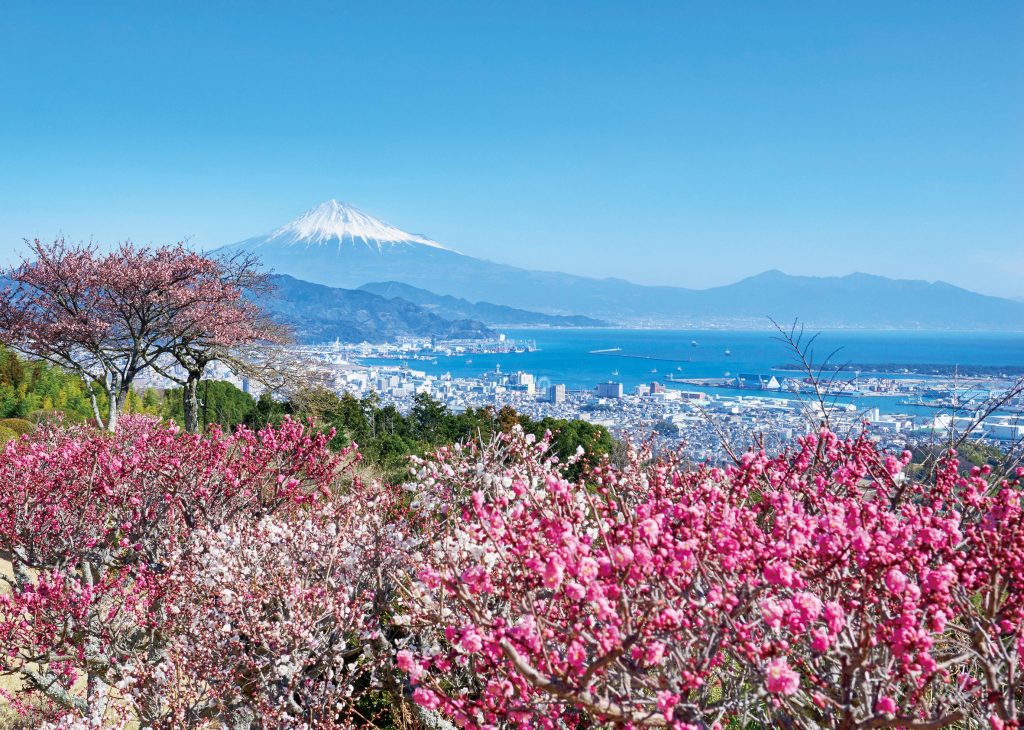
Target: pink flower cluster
(166,567)
(255,579)
(820,586)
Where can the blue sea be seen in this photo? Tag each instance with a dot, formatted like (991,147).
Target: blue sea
(564,355)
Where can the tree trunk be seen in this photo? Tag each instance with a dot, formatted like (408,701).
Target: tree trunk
(95,406)
(117,398)
(190,403)
(97,693)
(112,411)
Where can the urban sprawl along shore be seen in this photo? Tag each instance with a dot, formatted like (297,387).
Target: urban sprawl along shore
(901,410)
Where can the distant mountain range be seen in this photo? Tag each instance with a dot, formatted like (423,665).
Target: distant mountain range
(451,307)
(320,313)
(859,300)
(339,246)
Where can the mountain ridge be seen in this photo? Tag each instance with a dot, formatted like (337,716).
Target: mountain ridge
(450,307)
(319,314)
(854,300)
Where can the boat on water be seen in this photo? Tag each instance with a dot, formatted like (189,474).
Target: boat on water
(728,353)
(693,343)
(469,362)
(615,372)
(654,370)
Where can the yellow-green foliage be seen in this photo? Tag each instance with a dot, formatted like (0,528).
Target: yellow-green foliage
(19,425)
(6,435)
(148,403)
(27,386)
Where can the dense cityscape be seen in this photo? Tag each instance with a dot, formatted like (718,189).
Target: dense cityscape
(700,414)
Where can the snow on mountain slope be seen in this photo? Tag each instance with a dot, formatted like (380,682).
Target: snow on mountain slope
(339,223)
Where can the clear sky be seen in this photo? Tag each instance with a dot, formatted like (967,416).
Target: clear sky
(688,143)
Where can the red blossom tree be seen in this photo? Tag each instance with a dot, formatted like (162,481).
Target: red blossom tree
(91,525)
(220,321)
(988,597)
(543,603)
(110,316)
(819,588)
(253,581)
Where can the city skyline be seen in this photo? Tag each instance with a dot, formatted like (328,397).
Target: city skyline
(669,144)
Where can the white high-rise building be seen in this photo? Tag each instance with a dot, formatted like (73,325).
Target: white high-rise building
(610,389)
(556,393)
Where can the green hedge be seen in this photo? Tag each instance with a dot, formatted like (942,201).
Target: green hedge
(6,435)
(19,425)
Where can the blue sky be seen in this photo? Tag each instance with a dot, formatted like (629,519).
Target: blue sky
(670,143)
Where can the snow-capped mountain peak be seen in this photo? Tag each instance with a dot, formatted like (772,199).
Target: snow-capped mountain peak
(340,223)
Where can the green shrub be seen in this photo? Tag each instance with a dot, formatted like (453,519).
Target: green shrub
(19,425)
(6,435)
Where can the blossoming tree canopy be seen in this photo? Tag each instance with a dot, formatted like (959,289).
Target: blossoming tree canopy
(817,588)
(171,579)
(91,524)
(108,316)
(289,603)
(222,322)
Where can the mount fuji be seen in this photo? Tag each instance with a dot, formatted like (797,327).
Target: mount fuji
(341,225)
(337,245)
